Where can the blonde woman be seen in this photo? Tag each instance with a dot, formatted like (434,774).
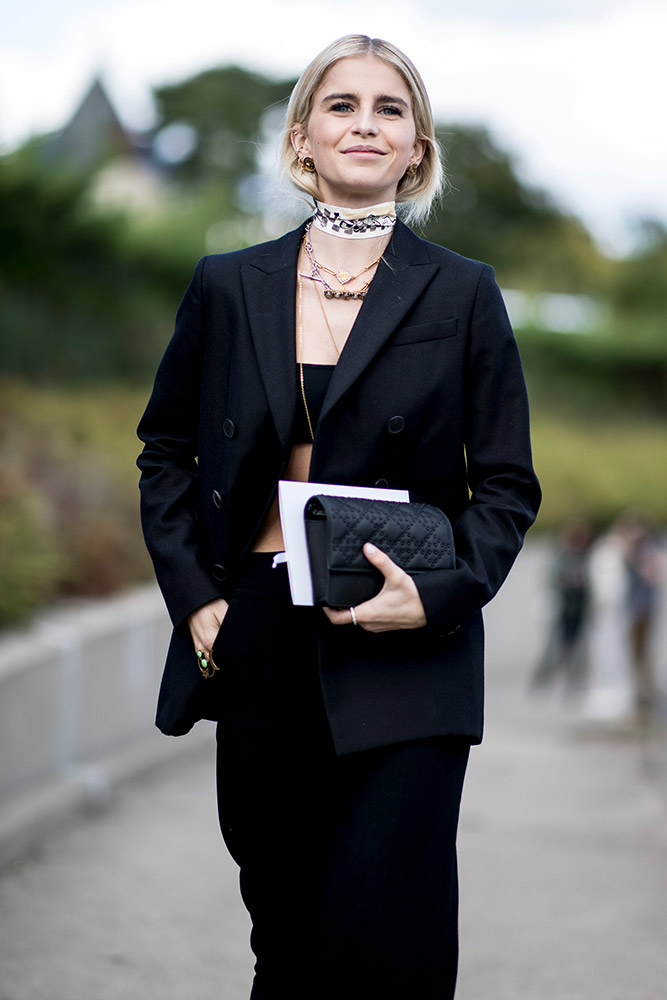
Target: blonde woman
(348,351)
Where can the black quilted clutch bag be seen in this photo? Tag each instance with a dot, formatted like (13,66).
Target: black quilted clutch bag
(416,536)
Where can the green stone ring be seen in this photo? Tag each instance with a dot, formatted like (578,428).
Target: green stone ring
(206,669)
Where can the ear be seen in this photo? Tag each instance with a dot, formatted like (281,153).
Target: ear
(300,142)
(418,151)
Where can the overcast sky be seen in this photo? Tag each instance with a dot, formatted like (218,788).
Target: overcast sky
(575,89)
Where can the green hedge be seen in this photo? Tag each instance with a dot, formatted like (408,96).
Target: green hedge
(595,374)
(68,489)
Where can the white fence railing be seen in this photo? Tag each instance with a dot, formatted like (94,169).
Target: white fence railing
(77,703)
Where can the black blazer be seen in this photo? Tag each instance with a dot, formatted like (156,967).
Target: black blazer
(428,395)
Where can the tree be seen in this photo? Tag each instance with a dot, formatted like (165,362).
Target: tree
(225,107)
(490,214)
(640,281)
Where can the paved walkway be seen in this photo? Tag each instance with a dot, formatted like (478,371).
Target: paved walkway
(563,856)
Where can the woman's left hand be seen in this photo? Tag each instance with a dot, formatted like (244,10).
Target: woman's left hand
(397,606)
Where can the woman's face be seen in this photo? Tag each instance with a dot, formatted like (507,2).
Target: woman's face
(361,132)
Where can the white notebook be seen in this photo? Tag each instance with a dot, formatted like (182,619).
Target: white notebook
(292,499)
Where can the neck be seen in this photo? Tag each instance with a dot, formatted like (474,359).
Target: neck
(350,254)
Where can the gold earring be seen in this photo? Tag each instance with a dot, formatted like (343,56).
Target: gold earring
(412,170)
(307,165)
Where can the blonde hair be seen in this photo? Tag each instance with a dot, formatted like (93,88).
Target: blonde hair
(420,189)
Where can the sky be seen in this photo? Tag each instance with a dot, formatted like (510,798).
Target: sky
(575,89)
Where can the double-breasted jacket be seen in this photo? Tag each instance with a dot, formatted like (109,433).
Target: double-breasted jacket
(428,395)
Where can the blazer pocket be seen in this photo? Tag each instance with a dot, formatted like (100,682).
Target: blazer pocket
(422,332)
(221,642)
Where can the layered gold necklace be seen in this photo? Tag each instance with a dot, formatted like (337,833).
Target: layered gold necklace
(343,276)
(300,277)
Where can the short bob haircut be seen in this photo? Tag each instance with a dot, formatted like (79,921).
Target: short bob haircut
(421,189)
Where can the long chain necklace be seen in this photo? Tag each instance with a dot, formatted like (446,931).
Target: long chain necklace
(343,276)
(300,333)
(300,278)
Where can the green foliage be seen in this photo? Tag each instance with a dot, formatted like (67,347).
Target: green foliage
(78,300)
(598,467)
(70,523)
(596,375)
(639,285)
(43,227)
(32,558)
(225,106)
(599,406)
(489,214)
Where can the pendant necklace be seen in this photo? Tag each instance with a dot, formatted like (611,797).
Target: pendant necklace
(343,276)
(302,383)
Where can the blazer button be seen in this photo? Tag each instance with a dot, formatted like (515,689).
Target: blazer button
(395,425)
(382,484)
(229,428)
(219,572)
(217,499)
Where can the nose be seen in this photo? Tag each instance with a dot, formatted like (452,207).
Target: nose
(365,123)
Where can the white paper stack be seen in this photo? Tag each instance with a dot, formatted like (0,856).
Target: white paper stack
(292,499)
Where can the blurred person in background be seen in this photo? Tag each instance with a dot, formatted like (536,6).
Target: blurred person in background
(644,570)
(609,694)
(565,651)
(626,570)
(349,351)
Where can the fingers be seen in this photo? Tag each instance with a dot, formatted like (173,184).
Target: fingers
(205,624)
(381,561)
(397,606)
(341,616)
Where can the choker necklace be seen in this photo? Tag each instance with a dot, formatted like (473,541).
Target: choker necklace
(355,223)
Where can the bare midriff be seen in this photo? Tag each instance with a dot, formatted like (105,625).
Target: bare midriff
(270,538)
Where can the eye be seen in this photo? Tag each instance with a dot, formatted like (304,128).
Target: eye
(390,110)
(341,106)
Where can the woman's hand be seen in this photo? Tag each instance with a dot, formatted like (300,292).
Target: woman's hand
(205,623)
(397,606)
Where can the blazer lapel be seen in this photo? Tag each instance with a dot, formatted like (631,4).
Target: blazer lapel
(400,279)
(269,285)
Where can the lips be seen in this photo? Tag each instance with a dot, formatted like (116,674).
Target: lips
(365,149)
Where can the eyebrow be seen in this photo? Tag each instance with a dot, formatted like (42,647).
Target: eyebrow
(380,99)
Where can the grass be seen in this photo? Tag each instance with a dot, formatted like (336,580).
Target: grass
(68,489)
(600,467)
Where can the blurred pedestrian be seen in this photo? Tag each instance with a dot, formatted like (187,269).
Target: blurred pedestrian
(644,568)
(609,694)
(565,651)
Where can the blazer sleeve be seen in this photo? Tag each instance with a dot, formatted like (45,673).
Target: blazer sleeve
(169,429)
(504,491)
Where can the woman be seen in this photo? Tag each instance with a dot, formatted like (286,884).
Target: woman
(343,735)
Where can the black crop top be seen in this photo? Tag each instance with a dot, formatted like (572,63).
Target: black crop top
(316,380)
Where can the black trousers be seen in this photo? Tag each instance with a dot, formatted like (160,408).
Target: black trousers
(347,863)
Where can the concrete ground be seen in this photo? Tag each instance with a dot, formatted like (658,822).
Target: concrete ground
(562,846)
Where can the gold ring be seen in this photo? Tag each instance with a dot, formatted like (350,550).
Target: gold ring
(207,664)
